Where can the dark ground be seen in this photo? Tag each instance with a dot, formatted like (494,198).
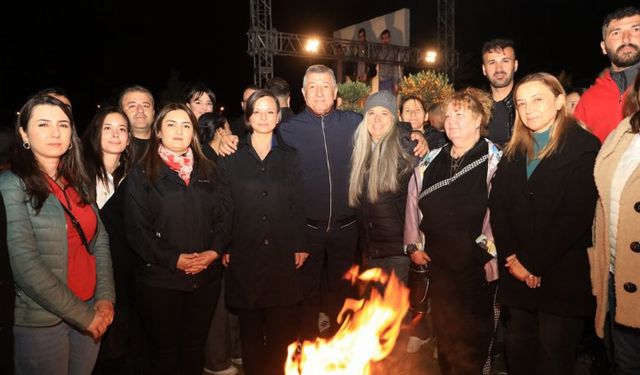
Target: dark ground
(591,361)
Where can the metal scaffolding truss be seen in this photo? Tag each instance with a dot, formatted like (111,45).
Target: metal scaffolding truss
(264,42)
(288,44)
(446,36)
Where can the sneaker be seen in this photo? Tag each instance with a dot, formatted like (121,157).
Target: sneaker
(323,322)
(415,343)
(232,370)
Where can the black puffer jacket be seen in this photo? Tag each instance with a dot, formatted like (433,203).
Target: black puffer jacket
(381,224)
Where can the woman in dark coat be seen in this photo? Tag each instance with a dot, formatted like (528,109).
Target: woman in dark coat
(542,206)
(171,218)
(381,166)
(108,159)
(264,225)
(445,218)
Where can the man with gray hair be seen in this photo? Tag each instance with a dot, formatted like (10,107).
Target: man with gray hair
(323,137)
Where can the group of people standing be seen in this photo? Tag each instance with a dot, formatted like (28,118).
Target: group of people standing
(155,208)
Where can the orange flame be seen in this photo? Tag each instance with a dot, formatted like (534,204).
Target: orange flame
(368,333)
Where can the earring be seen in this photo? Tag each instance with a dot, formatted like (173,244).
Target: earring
(70,146)
(26,145)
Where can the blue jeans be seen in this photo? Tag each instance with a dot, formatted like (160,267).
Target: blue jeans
(57,350)
(625,340)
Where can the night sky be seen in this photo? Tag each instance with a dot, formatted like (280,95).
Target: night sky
(141,42)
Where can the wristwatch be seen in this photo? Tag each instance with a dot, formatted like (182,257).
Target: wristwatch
(410,249)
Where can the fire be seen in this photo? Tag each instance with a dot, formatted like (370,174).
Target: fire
(368,332)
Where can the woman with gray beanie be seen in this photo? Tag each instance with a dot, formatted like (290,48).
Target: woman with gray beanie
(381,165)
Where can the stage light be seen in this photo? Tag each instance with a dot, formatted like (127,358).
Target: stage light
(312,45)
(431,56)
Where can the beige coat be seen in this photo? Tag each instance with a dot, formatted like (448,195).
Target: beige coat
(627,261)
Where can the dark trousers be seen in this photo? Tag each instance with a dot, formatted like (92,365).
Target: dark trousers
(265,335)
(6,349)
(218,347)
(121,351)
(333,252)
(625,341)
(537,343)
(463,320)
(176,324)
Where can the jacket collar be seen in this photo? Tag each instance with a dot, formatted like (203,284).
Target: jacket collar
(325,115)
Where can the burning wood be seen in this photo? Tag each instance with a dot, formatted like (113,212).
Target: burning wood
(368,332)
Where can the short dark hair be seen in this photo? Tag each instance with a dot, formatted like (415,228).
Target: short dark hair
(434,107)
(198,90)
(278,86)
(135,88)
(385,31)
(251,102)
(412,97)
(618,14)
(362,30)
(498,44)
(208,123)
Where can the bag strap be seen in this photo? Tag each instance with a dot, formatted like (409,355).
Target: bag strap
(76,226)
(449,180)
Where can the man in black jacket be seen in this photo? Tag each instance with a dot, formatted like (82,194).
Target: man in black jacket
(499,64)
(323,137)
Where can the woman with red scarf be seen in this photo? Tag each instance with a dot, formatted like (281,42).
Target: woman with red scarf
(171,224)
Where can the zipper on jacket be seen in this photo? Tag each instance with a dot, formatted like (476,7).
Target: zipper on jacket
(326,153)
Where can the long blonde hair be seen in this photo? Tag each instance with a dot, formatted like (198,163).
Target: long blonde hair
(522,138)
(376,166)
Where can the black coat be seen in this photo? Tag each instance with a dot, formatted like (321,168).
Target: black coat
(123,258)
(546,221)
(7,299)
(167,218)
(381,224)
(264,225)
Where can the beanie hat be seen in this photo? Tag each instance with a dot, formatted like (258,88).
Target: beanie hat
(383,99)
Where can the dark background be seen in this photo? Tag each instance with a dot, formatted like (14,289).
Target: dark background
(93,49)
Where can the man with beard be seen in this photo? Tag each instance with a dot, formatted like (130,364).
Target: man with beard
(600,108)
(499,64)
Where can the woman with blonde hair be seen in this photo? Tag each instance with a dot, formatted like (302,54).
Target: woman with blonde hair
(446,226)
(542,206)
(381,165)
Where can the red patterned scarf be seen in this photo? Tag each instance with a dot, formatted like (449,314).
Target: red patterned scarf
(182,164)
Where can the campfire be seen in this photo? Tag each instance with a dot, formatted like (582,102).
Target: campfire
(368,332)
